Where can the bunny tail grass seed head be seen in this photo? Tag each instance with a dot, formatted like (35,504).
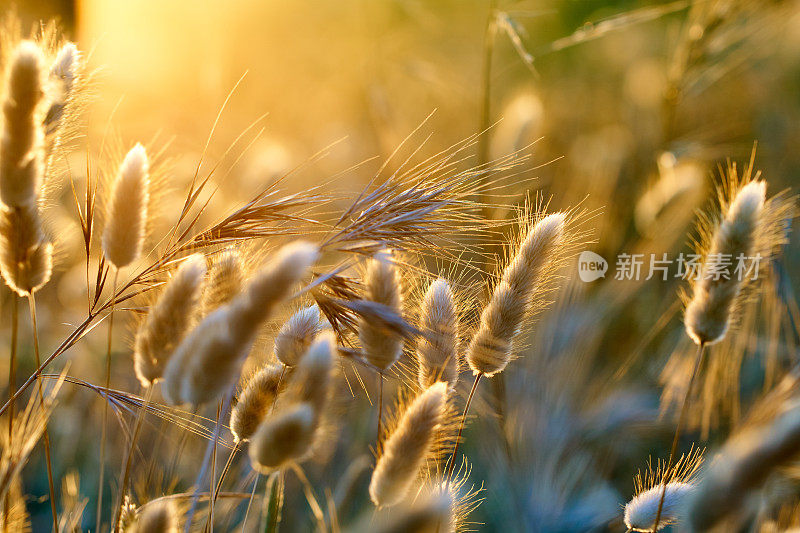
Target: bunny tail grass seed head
(126,215)
(437,349)
(297,334)
(640,511)
(210,358)
(714,296)
(381,348)
(168,320)
(743,465)
(22,144)
(283,437)
(311,381)
(158,517)
(26,255)
(408,446)
(255,401)
(225,280)
(501,321)
(430,513)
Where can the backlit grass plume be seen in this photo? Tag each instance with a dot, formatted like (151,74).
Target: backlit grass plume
(437,349)
(311,380)
(640,512)
(381,347)
(743,464)
(255,401)
(736,251)
(283,437)
(501,321)
(408,446)
(26,254)
(708,312)
(22,143)
(168,320)
(226,278)
(297,334)
(157,517)
(126,215)
(209,359)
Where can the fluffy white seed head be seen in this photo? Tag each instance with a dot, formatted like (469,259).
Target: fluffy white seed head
(640,512)
(225,280)
(501,321)
(297,334)
(256,401)
(381,348)
(408,446)
(210,358)
(708,313)
(26,255)
(158,517)
(283,437)
(22,143)
(126,216)
(437,348)
(168,320)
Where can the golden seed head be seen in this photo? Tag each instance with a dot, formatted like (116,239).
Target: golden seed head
(408,446)
(256,401)
(126,217)
(501,321)
(283,437)
(26,255)
(225,280)
(437,348)
(708,313)
(381,348)
(22,143)
(168,320)
(296,335)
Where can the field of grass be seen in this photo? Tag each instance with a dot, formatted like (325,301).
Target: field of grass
(400,266)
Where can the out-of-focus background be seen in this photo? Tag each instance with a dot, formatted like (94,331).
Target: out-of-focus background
(632,105)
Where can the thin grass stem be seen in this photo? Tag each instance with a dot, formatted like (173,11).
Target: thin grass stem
(99,516)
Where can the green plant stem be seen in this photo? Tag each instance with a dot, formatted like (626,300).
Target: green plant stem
(99,517)
(701,350)
(45,434)
(452,462)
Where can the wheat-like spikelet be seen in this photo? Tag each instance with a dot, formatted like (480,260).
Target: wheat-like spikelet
(492,346)
(255,401)
(408,446)
(126,216)
(437,348)
(225,280)
(708,313)
(297,334)
(381,347)
(26,255)
(168,320)
(742,466)
(22,144)
(283,437)
(210,358)
(157,517)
